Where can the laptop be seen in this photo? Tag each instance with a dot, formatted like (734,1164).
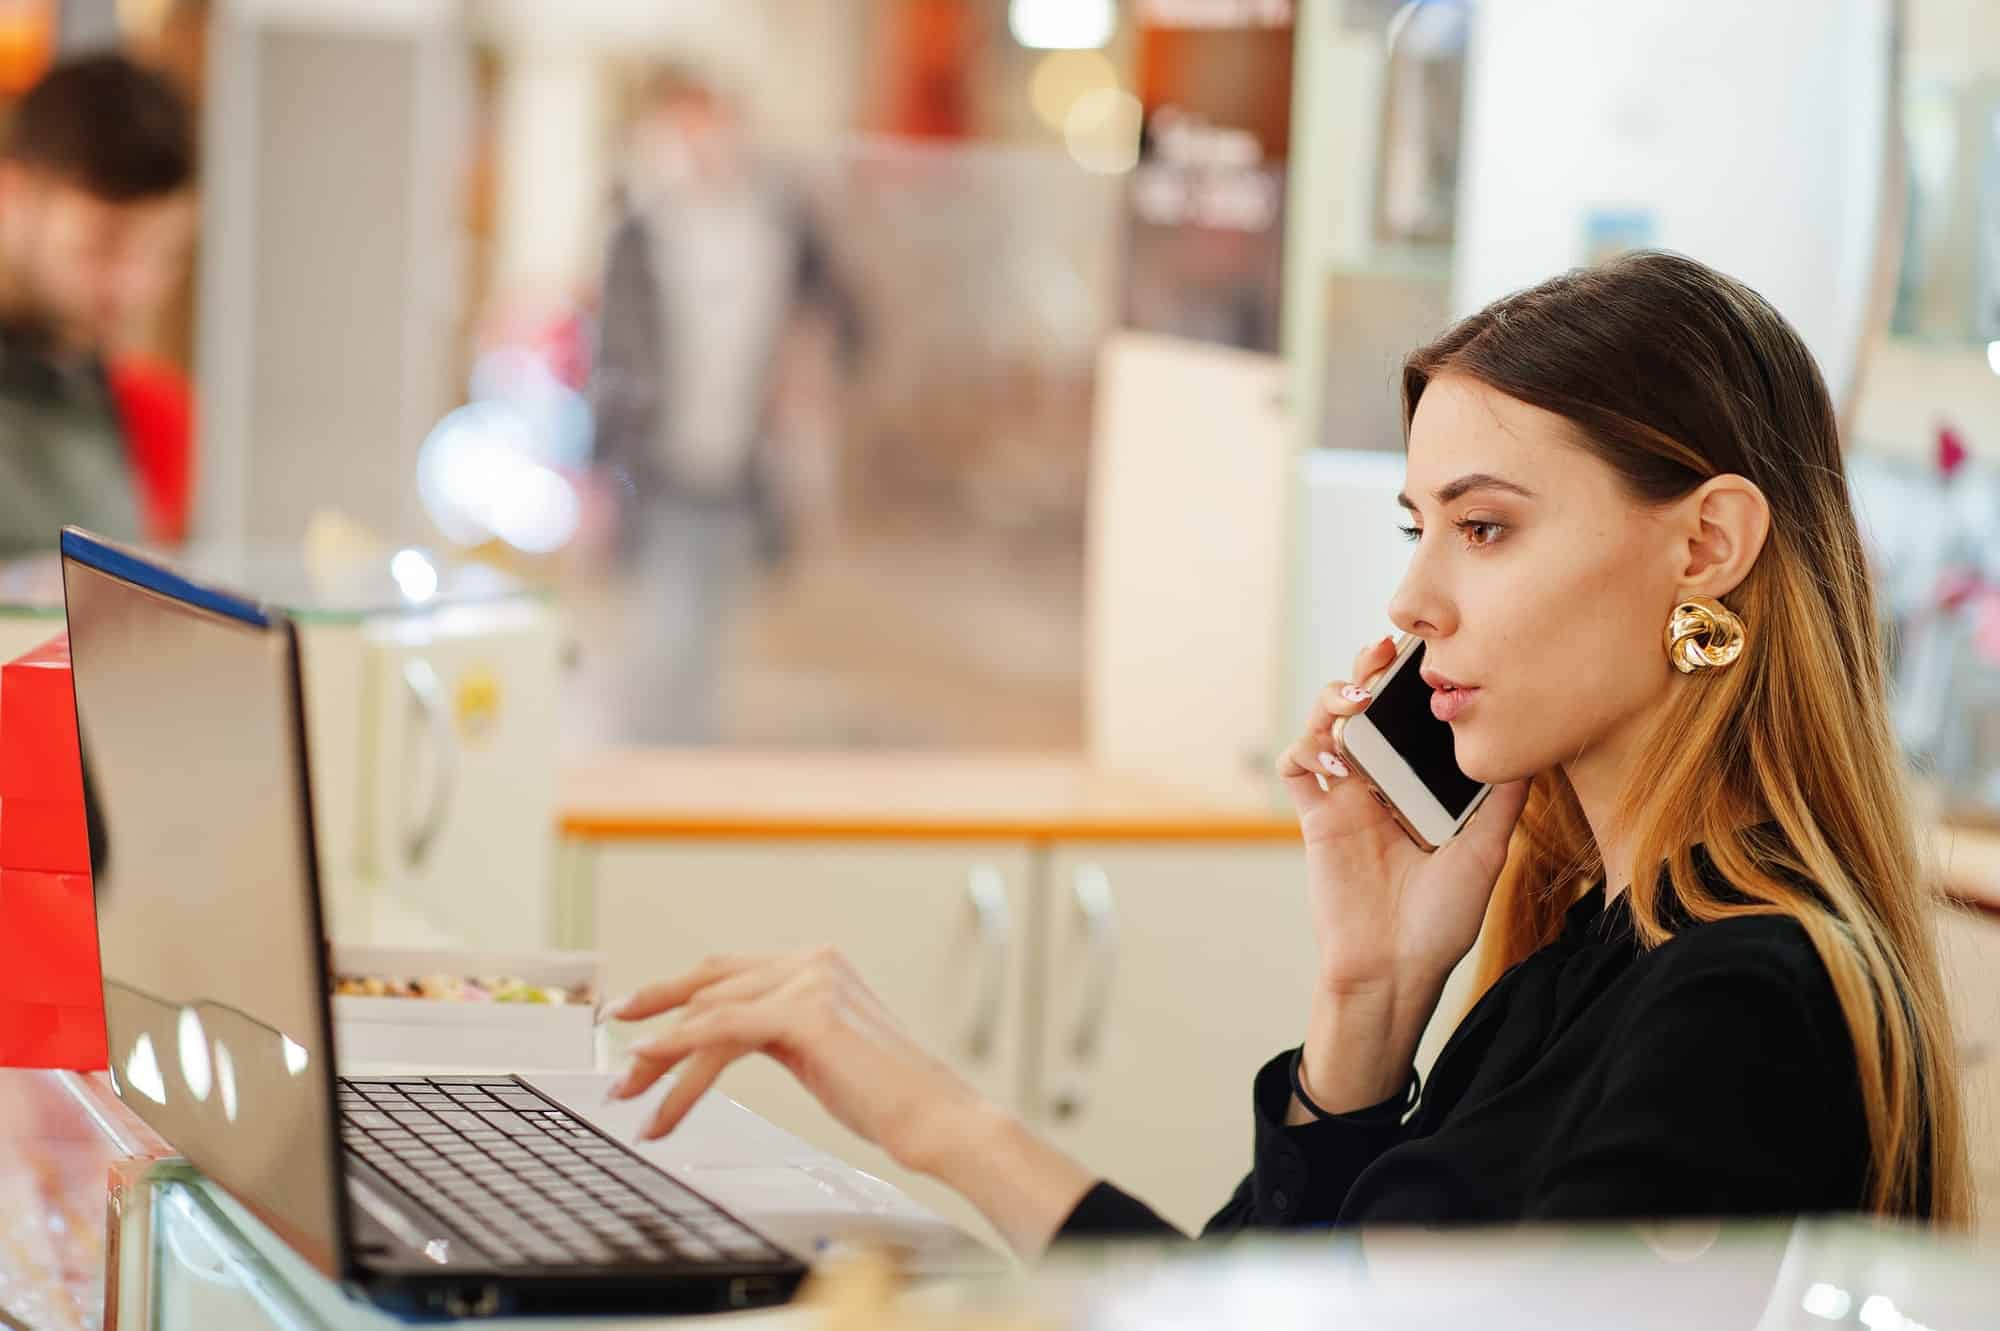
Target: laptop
(429,1195)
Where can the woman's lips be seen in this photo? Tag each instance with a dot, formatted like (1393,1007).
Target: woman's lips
(1448,704)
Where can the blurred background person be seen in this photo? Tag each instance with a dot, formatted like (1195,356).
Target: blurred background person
(713,256)
(96,224)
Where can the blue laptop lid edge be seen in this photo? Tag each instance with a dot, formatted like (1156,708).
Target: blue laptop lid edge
(98,553)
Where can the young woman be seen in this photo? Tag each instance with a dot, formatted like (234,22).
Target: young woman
(1711,987)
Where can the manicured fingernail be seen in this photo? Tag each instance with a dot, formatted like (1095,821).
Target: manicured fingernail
(615,1007)
(1320,777)
(1333,764)
(1354,693)
(1388,640)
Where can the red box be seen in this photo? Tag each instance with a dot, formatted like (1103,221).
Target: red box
(51,1035)
(48,938)
(51,992)
(38,758)
(43,834)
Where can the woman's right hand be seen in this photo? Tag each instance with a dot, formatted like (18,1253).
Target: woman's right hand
(813,1014)
(1388,917)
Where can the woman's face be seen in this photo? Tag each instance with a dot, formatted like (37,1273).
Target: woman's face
(1536,581)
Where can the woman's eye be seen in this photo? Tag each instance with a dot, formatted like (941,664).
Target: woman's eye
(1475,533)
(1480,533)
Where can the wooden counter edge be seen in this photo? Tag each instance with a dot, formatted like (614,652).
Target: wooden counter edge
(1967,891)
(1247,828)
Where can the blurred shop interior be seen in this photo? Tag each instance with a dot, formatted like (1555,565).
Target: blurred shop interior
(700,438)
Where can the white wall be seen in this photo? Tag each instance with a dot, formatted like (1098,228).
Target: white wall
(1951,39)
(331,132)
(1353,557)
(1755,134)
(1189,465)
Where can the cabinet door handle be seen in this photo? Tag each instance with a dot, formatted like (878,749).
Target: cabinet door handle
(986,889)
(426,695)
(1091,888)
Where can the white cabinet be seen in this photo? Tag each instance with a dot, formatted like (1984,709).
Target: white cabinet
(454,763)
(1119,995)
(1169,974)
(937,930)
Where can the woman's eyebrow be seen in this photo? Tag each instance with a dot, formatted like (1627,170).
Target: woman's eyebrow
(1465,485)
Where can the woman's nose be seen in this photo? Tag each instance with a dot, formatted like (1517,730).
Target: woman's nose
(1419,606)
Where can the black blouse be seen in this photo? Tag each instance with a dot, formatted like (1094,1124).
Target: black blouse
(1711,1076)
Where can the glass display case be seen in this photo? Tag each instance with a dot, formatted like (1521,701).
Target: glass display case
(317,588)
(102,1230)
(434,694)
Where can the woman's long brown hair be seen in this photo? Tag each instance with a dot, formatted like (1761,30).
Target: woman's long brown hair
(1782,767)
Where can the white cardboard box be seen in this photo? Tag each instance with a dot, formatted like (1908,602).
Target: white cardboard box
(422,1032)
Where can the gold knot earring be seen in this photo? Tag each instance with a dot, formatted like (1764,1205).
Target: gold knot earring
(1703,634)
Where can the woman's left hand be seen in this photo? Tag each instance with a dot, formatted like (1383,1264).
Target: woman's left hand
(813,1013)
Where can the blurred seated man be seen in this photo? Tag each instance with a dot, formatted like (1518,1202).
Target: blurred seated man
(96,220)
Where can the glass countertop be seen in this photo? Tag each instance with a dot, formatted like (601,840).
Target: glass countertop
(1804,1275)
(1809,1274)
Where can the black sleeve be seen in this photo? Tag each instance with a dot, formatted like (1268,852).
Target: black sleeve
(1731,1090)
(625,374)
(1298,1175)
(819,283)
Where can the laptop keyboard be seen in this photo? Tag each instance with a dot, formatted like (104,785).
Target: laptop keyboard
(527,1182)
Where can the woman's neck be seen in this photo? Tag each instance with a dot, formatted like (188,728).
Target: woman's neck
(1598,779)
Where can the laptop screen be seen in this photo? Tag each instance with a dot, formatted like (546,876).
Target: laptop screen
(207,905)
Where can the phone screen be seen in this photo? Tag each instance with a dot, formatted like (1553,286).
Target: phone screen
(1402,712)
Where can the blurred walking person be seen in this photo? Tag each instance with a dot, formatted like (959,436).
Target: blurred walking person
(713,256)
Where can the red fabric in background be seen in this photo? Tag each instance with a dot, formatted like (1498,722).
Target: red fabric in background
(156,407)
(51,994)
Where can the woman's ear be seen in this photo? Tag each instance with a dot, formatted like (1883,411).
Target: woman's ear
(1727,520)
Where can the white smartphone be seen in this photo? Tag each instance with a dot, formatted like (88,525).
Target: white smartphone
(1405,754)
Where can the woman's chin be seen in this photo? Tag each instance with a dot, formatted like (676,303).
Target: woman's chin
(1482,763)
